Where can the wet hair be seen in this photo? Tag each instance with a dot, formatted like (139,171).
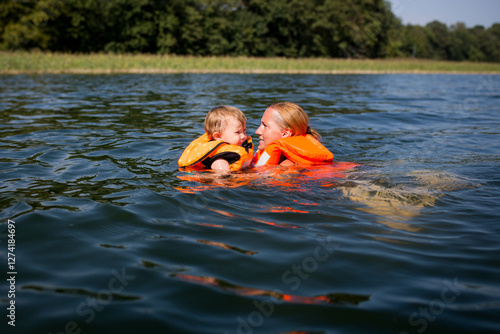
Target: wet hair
(291,116)
(217,118)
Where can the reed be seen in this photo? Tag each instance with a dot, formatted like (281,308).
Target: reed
(41,62)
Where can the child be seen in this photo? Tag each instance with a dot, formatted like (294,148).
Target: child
(224,147)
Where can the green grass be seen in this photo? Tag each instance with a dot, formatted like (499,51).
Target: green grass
(38,62)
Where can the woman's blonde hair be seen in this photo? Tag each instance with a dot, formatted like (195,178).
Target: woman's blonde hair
(293,117)
(217,118)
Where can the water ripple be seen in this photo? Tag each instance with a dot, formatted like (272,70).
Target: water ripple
(88,170)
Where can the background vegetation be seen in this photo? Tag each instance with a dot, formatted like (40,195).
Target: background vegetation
(50,62)
(252,28)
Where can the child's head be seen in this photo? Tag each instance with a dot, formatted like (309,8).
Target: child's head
(226,123)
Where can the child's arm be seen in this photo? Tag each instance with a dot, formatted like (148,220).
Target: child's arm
(220,166)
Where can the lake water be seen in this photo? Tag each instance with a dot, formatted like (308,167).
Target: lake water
(110,237)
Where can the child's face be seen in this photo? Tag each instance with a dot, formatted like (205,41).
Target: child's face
(234,133)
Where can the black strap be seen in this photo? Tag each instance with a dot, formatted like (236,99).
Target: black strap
(230,157)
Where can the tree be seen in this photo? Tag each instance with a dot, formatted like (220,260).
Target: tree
(354,28)
(29,24)
(417,42)
(131,26)
(250,35)
(440,39)
(285,28)
(491,43)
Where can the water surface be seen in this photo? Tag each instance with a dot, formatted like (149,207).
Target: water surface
(112,237)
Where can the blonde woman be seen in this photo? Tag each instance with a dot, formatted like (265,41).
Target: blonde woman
(287,139)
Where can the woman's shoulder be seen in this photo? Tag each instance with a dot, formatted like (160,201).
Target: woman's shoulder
(304,149)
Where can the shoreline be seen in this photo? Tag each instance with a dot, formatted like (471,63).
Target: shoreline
(290,72)
(16,63)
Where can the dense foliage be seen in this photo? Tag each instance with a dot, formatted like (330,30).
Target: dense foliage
(289,28)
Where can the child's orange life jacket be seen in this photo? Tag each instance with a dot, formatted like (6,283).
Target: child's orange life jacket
(203,151)
(304,150)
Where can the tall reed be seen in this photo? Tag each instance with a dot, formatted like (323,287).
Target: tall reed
(40,62)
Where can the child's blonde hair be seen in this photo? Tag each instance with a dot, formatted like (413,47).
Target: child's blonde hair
(217,118)
(292,116)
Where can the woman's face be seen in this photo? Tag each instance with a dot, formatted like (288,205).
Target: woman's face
(269,130)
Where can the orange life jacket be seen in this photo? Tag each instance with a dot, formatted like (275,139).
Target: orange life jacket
(203,151)
(304,150)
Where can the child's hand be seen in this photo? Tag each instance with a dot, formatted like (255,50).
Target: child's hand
(220,166)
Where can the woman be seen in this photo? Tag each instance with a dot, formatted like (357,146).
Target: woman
(286,138)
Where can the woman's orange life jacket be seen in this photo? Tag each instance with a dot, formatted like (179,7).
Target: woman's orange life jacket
(203,151)
(304,150)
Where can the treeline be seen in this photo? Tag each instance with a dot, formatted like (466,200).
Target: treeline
(437,41)
(262,28)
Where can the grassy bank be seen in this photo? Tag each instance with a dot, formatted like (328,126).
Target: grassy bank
(36,62)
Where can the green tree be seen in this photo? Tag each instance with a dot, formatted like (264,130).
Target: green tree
(332,28)
(85,28)
(274,28)
(395,36)
(477,37)
(287,28)
(10,14)
(29,24)
(491,43)
(416,42)
(182,27)
(357,28)
(440,39)
(459,42)
(249,35)
(131,26)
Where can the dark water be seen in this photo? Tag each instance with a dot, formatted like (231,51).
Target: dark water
(110,237)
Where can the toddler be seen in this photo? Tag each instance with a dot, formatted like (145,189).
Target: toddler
(224,147)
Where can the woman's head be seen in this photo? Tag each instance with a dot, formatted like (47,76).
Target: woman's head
(282,120)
